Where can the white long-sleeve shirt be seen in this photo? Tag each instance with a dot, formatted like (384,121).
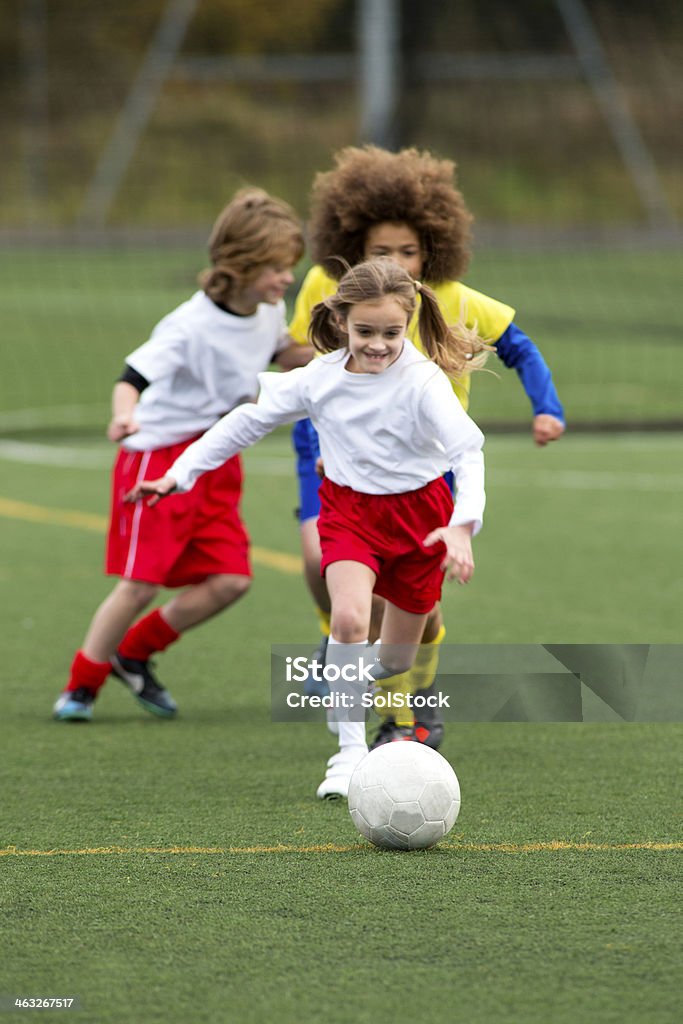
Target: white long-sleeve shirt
(384,433)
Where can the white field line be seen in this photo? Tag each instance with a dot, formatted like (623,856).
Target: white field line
(276,465)
(53,416)
(56,455)
(584,480)
(34,453)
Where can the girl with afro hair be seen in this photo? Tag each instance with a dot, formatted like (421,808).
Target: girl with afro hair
(406,206)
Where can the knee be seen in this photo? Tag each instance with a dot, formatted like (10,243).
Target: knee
(228,588)
(349,625)
(138,593)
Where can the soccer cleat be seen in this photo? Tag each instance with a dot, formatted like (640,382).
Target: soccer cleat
(74,705)
(317,687)
(429,729)
(429,733)
(335,785)
(148,691)
(389,732)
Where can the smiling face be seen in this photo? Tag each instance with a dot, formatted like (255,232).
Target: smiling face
(398,241)
(376,330)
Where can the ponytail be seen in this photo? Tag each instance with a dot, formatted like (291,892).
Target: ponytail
(324,332)
(456,350)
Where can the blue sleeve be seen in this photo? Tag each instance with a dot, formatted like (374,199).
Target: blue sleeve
(518,352)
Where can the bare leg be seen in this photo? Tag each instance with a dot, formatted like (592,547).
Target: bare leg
(203,600)
(401,633)
(378,605)
(312,555)
(111,624)
(392,704)
(114,616)
(400,636)
(129,597)
(433,625)
(350,585)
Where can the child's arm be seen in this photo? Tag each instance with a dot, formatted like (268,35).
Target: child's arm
(124,400)
(441,415)
(280,401)
(463,442)
(163,353)
(294,355)
(467,518)
(458,561)
(518,352)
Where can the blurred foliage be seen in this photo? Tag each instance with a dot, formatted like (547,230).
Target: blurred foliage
(528,25)
(271,26)
(529,151)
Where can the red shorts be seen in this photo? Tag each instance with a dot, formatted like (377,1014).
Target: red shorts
(185,537)
(385,532)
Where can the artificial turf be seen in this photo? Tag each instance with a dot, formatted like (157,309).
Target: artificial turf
(183,871)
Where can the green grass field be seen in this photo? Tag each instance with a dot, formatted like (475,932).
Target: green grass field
(184,872)
(607,321)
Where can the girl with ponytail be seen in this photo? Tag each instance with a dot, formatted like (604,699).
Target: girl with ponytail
(390,426)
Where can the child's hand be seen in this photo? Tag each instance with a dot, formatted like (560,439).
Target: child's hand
(122,426)
(157,488)
(459,561)
(547,428)
(320,467)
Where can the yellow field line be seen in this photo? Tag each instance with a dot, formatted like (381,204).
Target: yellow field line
(9,509)
(554,845)
(53,516)
(280,560)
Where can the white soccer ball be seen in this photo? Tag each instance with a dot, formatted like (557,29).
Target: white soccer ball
(404,796)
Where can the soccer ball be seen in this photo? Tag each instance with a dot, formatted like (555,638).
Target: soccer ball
(404,796)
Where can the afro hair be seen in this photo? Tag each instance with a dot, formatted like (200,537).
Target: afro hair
(371,186)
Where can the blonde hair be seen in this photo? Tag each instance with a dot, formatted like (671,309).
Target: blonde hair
(254,230)
(456,350)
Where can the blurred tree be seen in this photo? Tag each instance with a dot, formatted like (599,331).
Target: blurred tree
(219,26)
(245,27)
(94,51)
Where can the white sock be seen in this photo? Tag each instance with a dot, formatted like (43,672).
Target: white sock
(351,734)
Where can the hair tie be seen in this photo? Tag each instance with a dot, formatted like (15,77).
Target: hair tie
(418,286)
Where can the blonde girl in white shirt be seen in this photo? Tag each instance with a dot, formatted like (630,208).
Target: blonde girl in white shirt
(390,425)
